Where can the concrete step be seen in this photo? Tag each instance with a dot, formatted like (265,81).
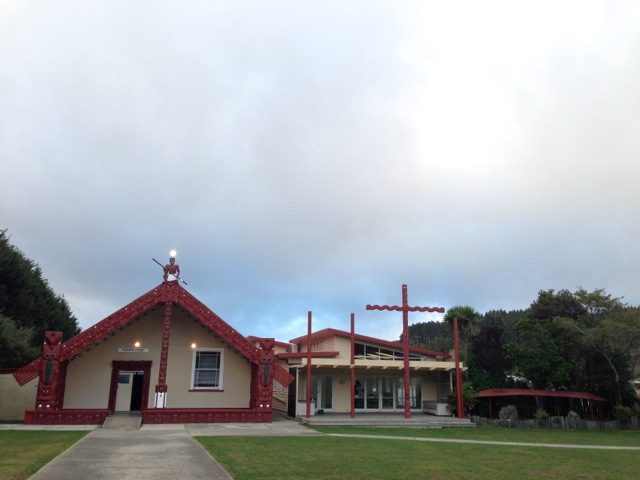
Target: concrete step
(435,425)
(387,421)
(123,421)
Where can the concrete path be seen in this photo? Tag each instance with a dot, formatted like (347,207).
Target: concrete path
(121,450)
(105,454)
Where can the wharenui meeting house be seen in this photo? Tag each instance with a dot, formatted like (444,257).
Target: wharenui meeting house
(169,357)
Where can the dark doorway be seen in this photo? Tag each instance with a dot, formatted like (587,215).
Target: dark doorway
(291,404)
(136,392)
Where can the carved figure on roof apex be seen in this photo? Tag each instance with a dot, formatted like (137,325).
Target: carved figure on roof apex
(171,271)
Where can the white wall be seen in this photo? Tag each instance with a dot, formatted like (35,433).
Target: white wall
(14,399)
(89,376)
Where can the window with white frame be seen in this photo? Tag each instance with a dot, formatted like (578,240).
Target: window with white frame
(207,369)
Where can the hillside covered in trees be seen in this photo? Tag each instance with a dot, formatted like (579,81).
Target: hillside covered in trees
(581,341)
(28,307)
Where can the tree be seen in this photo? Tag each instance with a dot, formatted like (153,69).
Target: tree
(537,356)
(597,302)
(548,335)
(469,399)
(616,338)
(488,364)
(610,329)
(16,344)
(468,324)
(29,307)
(505,320)
(431,335)
(550,305)
(580,341)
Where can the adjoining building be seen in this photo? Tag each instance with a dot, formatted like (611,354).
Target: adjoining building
(378,375)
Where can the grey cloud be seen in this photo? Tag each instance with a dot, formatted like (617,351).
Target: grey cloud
(315,157)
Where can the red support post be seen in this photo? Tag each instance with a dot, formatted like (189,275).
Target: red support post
(405,353)
(459,393)
(309,365)
(353,365)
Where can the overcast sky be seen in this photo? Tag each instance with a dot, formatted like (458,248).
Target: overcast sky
(314,156)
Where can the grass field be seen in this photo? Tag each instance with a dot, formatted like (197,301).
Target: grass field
(362,458)
(22,453)
(326,457)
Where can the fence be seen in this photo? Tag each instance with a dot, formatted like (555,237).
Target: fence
(565,423)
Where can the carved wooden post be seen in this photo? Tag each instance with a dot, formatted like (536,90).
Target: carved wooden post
(264,371)
(405,309)
(48,396)
(161,387)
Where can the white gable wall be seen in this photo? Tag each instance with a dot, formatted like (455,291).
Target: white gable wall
(236,375)
(89,376)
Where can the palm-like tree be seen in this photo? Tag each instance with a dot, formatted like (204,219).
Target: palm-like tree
(468,324)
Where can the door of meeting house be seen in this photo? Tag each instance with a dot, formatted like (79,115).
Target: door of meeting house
(129,394)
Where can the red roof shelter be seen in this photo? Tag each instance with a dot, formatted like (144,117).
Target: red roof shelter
(523,392)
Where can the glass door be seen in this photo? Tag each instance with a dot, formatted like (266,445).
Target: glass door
(415,393)
(373,394)
(379,393)
(322,390)
(325,398)
(386,393)
(358,392)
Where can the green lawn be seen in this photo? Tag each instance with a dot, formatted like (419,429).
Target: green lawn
(22,453)
(362,458)
(626,438)
(326,457)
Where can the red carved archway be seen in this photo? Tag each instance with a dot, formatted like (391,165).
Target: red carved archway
(129,366)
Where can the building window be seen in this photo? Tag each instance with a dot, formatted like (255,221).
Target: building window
(207,369)
(373,352)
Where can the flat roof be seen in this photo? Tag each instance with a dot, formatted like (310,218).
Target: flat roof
(523,392)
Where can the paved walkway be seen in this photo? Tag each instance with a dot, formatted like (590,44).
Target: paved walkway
(105,454)
(125,452)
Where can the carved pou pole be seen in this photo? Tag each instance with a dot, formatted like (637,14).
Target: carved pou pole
(405,309)
(265,369)
(47,396)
